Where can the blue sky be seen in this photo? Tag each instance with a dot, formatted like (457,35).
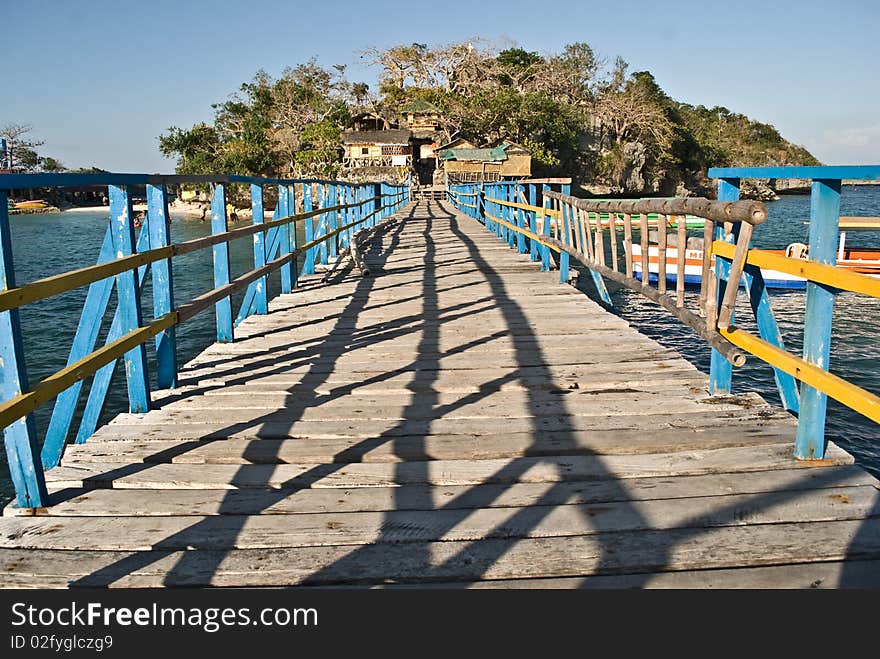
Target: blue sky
(99,79)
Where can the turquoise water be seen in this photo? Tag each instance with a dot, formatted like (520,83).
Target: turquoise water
(49,244)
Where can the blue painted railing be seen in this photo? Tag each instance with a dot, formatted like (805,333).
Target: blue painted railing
(332,213)
(825,189)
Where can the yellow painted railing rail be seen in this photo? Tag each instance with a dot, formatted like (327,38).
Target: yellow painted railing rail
(525,207)
(821,273)
(53,385)
(854,397)
(541,240)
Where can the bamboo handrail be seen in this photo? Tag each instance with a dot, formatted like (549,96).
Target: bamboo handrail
(751,212)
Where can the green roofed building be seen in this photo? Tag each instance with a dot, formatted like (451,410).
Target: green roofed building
(503,159)
(422,118)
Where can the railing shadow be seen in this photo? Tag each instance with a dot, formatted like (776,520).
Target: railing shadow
(428,323)
(138,561)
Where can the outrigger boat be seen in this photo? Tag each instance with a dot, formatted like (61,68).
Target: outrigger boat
(862,260)
(34,204)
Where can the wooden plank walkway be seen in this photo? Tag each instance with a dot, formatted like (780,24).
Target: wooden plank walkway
(458,417)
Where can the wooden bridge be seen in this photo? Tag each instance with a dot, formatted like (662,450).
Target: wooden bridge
(457,417)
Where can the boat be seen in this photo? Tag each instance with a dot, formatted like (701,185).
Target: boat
(690,221)
(31,204)
(862,260)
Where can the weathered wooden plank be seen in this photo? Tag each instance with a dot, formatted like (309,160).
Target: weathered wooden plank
(459,361)
(445,382)
(604,553)
(431,447)
(835,574)
(456,359)
(437,472)
(126,503)
(407,344)
(537,521)
(340,418)
(498,405)
(459,322)
(677,380)
(459,357)
(128,427)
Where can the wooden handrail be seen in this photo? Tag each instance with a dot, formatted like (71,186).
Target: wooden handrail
(751,212)
(522,206)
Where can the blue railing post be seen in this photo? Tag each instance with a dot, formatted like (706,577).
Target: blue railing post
(261,296)
(545,251)
(20,437)
(159,227)
(323,196)
(84,340)
(103,377)
(824,228)
(332,221)
(768,328)
(501,230)
(220,224)
(308,267)
(533,221)
(721,370)
(506,213)
(355,217)
(129,299)
(520,214)
(291,232)
(564,257)
(344,215)
(285,209)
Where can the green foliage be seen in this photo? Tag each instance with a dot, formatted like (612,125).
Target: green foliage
(269,127)
(541,155)
(575,114)
(518,59)
(319,153)
(50,164)
(725,138)
(197,149)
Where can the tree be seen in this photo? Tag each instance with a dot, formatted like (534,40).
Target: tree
(260,130)
(519,67)
(20,152)
(571,76)
(578,114)
(634,113)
